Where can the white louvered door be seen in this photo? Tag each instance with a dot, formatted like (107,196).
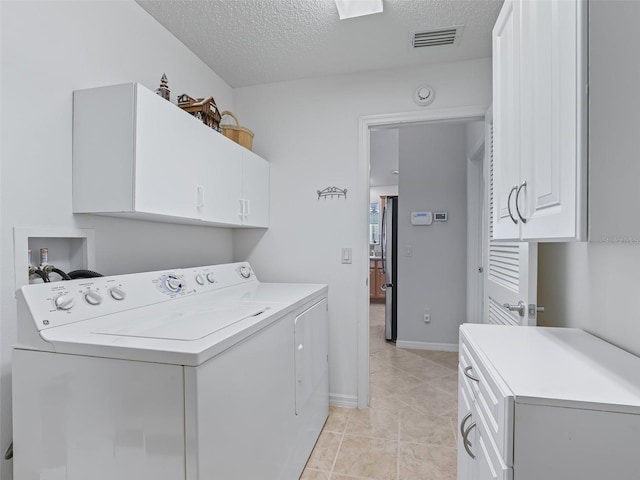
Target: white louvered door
(511,268)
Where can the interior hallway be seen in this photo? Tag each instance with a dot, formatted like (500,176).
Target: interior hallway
(409,431)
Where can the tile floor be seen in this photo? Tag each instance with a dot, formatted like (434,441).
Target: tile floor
(408,433)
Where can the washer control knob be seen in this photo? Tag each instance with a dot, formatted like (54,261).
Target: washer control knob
(211,278)
(93,298)
(200,279)
(64,302)
(173,284)
(117,293)
(245,271)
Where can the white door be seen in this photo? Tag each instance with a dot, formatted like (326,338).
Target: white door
(511,268)
(506,89)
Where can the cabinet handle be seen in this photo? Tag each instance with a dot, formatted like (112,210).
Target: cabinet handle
(464,420)
(199,197)
(468,375)
(241,208)
(247,210)
(513,219)
(465,440)
(524,184)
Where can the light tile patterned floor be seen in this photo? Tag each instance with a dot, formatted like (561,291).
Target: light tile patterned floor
(408,433)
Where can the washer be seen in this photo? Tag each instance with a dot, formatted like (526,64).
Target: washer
(197,374)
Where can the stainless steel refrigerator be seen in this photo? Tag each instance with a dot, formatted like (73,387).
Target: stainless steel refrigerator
(389,243)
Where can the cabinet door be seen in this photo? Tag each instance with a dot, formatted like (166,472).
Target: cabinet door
(380,283)
(221,182)
(167,148)
(255,189)
(311,333)
(553,114)
(506,114)
(372,280)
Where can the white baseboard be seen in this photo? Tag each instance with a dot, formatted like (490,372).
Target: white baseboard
(446,347)
(340,400)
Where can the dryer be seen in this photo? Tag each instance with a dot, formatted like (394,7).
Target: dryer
(197,374)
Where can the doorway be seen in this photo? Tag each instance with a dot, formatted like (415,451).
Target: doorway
(367,125)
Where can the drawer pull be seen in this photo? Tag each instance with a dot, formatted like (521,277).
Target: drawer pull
(513,219)
(466,442)
(522,219)
(464,420)
(469,375)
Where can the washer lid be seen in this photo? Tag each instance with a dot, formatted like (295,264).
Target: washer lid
(182,325)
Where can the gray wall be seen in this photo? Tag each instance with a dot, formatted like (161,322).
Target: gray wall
(593,286)
(433,177)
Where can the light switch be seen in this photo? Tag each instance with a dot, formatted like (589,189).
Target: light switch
(346,255)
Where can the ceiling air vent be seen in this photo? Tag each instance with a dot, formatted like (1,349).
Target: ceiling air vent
(436,37)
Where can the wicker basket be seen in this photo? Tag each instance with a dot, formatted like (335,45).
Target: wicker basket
(238,134)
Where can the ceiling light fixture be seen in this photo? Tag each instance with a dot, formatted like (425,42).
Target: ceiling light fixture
(357,8)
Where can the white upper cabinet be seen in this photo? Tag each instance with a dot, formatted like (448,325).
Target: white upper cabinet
(138,156)
(506,119)
(255,188)
(540,111)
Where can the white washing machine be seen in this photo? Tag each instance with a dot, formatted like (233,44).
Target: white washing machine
(197,374)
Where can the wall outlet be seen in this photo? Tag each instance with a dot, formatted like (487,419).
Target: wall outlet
(427,315)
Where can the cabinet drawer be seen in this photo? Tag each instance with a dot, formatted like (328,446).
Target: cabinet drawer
(491,398)
(490,460)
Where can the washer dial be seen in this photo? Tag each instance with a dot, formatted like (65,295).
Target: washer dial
(200,279)
(117,293)
(211,278)
(64,301)
(172,284)
(92,297)
(245,271)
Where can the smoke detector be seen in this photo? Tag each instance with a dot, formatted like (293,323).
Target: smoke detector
(424,95)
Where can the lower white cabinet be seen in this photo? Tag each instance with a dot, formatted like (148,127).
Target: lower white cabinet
(136,155)
(546,403)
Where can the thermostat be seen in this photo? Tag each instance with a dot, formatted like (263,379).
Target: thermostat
(421,218)
(440,216)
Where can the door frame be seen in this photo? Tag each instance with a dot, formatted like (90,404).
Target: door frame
(365,123)
(476,231)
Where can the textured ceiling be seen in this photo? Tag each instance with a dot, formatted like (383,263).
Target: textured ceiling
(251,42)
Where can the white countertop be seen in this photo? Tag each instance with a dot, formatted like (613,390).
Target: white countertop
(559,366)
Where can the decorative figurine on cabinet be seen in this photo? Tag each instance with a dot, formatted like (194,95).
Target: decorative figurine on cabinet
(163,89)
(204,109)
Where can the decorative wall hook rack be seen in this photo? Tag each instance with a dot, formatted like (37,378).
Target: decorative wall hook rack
(332,192)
